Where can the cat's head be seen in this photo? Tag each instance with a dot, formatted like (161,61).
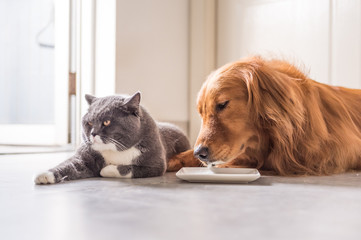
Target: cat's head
(113,122)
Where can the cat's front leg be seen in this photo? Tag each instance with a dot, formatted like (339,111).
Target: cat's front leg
(45,178)
(71,169)
(113,171)
(85,163)
(131,171)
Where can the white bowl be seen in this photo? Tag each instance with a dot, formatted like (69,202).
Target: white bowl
(218,175)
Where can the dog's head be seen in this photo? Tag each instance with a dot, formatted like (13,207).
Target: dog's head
(240,102)
(227,127)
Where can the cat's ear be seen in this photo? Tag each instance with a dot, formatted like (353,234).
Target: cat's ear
(89,98)
(132,103)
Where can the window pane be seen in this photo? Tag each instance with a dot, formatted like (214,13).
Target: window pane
(27,62)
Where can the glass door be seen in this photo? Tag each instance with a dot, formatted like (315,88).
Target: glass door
(34,72)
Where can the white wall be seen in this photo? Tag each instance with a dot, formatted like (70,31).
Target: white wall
(323,35)
(202,59)
(346,43)
(152,55)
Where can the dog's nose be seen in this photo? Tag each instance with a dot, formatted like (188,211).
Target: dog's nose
(201,153)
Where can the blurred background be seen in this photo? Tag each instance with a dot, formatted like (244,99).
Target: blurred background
(55,51)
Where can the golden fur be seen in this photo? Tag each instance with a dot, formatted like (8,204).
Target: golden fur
(277,120)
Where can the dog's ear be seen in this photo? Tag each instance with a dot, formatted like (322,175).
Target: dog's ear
(273,94)
(276,106)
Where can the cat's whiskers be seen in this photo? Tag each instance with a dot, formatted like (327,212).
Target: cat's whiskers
(120,145)
(122,148)
(117,144)
(86,139)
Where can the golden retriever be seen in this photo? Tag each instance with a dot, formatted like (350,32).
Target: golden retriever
(267,114)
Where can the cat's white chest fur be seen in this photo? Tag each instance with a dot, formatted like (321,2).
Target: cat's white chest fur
(125,157)
(113,158)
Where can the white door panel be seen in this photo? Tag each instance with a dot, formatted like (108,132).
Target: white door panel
(34,77)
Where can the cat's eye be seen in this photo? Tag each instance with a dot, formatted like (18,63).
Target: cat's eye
(106,123)
(221,106)
(90,123)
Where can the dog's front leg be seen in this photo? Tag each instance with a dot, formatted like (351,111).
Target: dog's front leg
(184,159)
(242,161)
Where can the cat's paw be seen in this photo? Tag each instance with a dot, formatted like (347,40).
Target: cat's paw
(111,171)
(45,178)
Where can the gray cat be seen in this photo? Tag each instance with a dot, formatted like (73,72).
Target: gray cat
(121,140)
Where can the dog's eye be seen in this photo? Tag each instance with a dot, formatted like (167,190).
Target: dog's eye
(221,106)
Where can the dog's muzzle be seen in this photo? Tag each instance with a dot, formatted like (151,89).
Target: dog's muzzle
(202,153)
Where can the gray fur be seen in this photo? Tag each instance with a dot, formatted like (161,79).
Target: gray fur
(131,126)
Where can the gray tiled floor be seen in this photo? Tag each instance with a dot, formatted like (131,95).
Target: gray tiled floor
(168,208)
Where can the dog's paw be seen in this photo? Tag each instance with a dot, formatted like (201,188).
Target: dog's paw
(45,178)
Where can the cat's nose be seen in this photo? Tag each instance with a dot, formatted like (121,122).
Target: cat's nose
(201,152)
(94,134)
